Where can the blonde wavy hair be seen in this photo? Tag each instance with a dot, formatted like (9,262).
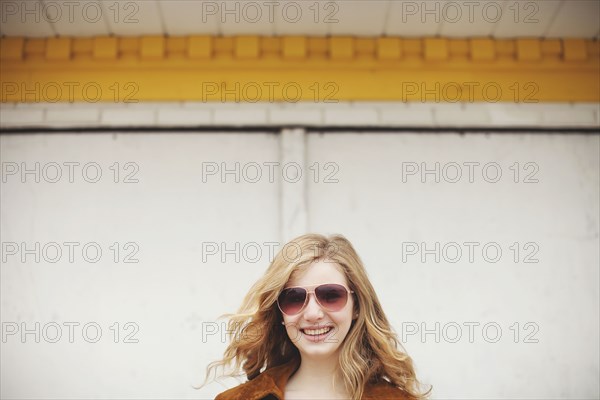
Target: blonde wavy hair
(370,352)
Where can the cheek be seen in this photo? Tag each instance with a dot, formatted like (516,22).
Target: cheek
(290,326)
(343,319)
(287,320)
(292,332)
(349,309)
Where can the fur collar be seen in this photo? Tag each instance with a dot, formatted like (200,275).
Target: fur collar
(270,384)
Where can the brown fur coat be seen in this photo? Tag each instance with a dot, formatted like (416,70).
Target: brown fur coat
(270,385)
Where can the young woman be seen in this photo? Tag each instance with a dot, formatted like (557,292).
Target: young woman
(314,324)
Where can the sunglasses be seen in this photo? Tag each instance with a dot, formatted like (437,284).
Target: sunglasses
(330,296)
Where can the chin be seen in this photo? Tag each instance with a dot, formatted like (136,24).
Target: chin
(318,353)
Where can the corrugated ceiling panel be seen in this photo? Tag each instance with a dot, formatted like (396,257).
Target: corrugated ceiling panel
(132,18)
(526,19)
(518,18)
(576,18)
(26,18)
(361,18)
(83,17)
(465,19)
(312,18)
(185,17)
(410,18)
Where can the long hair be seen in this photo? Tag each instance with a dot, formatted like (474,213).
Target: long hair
(370,352)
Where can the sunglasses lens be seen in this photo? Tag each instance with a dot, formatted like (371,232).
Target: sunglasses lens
(333,297)
(292,300)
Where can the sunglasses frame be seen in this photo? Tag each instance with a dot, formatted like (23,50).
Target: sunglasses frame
(308,292)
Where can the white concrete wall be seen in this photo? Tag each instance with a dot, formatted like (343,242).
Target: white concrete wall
(173,295)
(394,219)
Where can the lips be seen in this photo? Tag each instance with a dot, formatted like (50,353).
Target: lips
(317,332)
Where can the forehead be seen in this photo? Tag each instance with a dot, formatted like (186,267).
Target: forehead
(322,271)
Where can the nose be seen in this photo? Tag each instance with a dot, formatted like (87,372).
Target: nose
(313,310)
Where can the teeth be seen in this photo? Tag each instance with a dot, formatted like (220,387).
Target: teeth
(317,331)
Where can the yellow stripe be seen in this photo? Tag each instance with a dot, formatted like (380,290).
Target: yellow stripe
(253,68)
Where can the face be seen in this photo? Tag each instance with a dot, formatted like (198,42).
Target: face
(306,328)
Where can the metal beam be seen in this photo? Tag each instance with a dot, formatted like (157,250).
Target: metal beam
(312,69)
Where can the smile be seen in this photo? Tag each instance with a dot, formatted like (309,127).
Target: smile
(317,332)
